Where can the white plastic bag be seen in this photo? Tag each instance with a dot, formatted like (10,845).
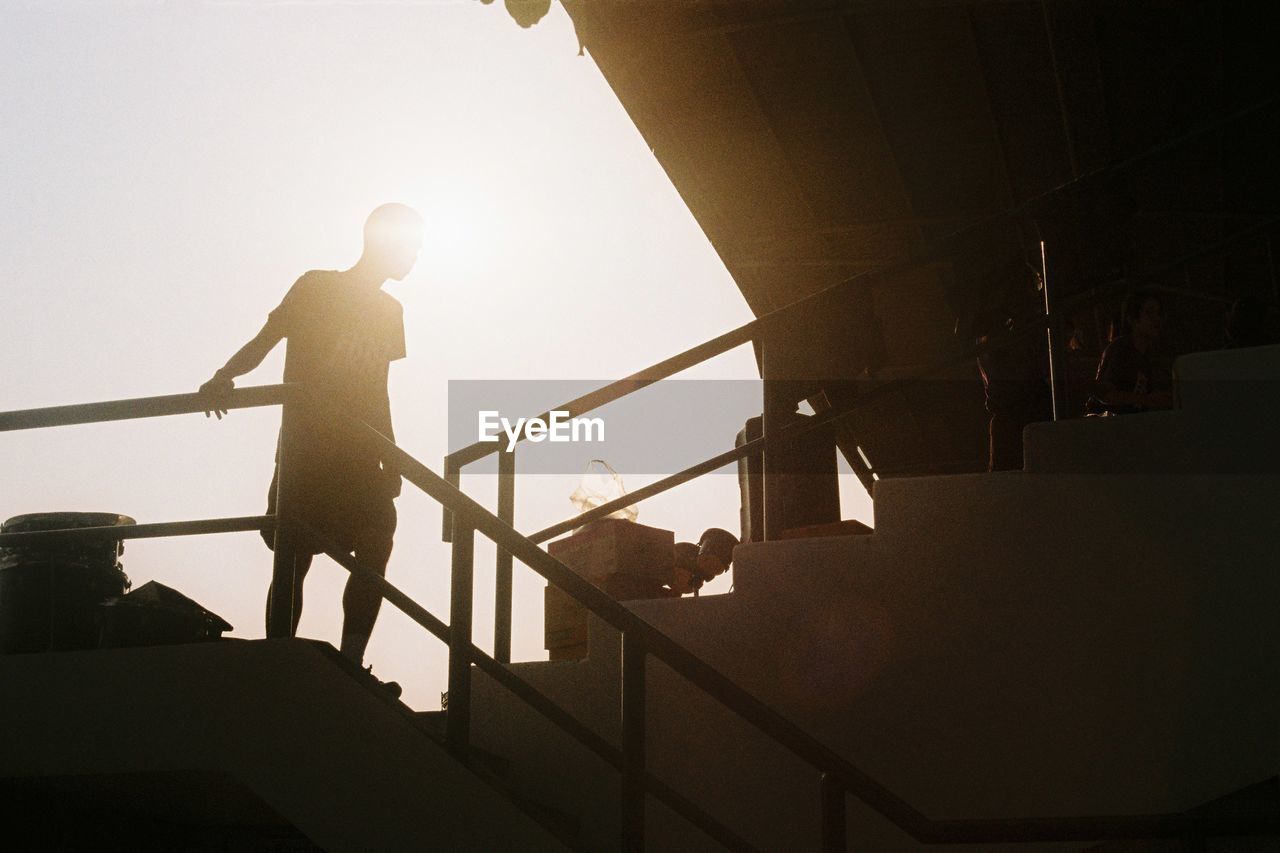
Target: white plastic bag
(601,484)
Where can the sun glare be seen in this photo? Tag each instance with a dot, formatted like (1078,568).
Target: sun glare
(459,226)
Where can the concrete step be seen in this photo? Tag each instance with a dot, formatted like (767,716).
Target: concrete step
(496,771)
(282,726)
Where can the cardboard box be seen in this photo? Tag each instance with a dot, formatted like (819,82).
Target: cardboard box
(625,559)
(614,546)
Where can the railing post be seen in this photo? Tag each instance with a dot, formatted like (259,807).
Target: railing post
(453,476)
(458,719)
(773,406)
(633,744)
(502,585)
(1056,346)
(284,574)
(832,794)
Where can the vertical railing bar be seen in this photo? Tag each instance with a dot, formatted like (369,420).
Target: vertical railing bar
(634,774)
(1057,352)
(452,475)
(458,716)
(831,792)
(284,565)
(771,410)
(503,567)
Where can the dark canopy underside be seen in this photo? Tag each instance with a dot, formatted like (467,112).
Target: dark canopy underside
(818,141)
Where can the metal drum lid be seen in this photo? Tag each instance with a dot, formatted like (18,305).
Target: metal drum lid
(95,551)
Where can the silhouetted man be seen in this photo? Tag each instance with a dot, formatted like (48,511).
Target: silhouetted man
(1013,362)
(1126,382)
(343,332)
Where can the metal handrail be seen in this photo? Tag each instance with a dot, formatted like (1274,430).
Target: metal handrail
(620,388)
(639,640)
(143,407)
(237,524)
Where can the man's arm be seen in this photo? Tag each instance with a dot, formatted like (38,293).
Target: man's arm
(246,358)
(390,471)
(1108,393)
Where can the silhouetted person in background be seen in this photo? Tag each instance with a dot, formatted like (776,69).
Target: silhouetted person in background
(343,331)
(1126,382)
(1014,362)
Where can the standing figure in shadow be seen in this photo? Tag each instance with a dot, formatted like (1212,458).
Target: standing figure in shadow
(1126,382)
(1008,330)
(343,331)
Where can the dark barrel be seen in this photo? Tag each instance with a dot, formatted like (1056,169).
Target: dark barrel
(50,589)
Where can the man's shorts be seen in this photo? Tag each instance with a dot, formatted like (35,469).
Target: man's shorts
(351,505)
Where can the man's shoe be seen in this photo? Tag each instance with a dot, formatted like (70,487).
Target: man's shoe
(390,688)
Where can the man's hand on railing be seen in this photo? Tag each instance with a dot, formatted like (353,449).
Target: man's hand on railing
(249,356)
(216,391)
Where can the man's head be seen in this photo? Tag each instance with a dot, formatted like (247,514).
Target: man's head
(1142,314)
(392,240)
(715,552)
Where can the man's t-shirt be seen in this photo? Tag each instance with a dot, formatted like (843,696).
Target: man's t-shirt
(342,336)
(1124,368)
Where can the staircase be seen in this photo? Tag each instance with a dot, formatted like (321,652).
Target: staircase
(1005,653)
(1038,643)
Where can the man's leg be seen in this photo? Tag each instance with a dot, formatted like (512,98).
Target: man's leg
(361,600)
(301,564)
(1005,447)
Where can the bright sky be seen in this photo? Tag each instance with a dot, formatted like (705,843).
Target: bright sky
(170,169)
